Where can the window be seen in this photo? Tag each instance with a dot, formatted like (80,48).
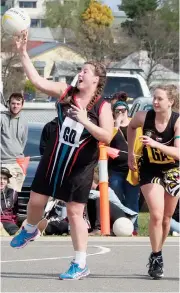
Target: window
(134,109)
(148,107)
(34,22)
(37,23)
(32,145)
(29,4)
(130,85)
(69,79)
(40,71)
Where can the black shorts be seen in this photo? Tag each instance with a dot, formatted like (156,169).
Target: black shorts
(169,179)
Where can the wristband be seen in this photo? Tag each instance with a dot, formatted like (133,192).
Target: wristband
(177,136)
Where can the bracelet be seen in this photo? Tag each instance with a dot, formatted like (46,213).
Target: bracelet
(177,136)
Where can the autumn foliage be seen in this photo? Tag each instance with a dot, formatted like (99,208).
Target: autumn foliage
(98,14)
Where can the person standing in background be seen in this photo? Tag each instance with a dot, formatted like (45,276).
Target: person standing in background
(14,133)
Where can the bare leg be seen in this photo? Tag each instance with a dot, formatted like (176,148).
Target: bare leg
(170,203)
(154,196)
(35,208)
(78,226)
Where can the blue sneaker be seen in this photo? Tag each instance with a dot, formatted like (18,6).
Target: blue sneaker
(22,239)
(74,272)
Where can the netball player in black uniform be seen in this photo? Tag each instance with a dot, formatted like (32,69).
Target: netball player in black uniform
(158,167)
(67,166)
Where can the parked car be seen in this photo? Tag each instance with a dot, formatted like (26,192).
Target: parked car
(32,150)
(126,80)
(140,104)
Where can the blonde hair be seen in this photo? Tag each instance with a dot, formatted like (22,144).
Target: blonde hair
(99,70)
(172,93)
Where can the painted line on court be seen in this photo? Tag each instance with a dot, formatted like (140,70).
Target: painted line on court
(109,245)
(103,250)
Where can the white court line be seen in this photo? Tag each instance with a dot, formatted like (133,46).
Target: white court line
(103,250)
(109,245)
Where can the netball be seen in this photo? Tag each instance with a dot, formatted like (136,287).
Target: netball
(123,227)
(15,20)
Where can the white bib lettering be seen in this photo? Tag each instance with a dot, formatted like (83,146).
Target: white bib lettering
(71,132)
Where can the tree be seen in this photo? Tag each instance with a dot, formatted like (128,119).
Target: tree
(61,14)
(12,75)
(93,35)
(152,35)
(98,14)
(170,13)
(137,8)
(29,87)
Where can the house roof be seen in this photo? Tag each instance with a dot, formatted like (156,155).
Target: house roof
(33,44)
(140,60)
(41,34)
(64,68)
(43,48)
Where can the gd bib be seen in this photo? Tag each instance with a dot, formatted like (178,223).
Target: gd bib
(71,132)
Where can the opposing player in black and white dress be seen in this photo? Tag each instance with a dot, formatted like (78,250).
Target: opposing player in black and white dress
(67,166)
(159,167)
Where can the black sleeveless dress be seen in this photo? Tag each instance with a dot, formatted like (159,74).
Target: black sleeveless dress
(66,169)
(155,166)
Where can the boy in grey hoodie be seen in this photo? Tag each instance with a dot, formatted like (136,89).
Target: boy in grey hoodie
(14,133)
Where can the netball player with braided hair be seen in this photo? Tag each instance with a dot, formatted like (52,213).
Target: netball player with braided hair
(67,166)
(159,167)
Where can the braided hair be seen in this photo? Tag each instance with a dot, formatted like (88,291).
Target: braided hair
(99,70)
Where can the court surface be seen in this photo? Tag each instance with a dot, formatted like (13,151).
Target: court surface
(116,264)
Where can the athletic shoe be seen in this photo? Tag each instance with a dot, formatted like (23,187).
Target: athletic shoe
(135,233)
(95,232)
(156,267)
(176,234)
(74,272)
(22,239)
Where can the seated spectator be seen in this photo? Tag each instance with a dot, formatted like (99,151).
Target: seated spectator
(9,203)
(118,169)
(117,209)
(175,224)
(56,215)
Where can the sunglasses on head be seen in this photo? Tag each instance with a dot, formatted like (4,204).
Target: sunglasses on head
(117,111)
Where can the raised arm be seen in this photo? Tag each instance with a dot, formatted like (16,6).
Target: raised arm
(48,87)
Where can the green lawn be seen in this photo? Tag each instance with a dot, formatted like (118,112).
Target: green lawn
(143,219)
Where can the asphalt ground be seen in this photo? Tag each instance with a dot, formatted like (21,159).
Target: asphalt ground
(116,264)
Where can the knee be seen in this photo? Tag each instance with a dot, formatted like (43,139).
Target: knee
(156,218)
(166,220)
(75,210)
(37,200)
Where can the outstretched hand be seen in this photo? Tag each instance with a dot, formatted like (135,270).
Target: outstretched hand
(21,42)
(79,113)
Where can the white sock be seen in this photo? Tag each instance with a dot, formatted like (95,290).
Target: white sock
(80,258)
(30,228)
